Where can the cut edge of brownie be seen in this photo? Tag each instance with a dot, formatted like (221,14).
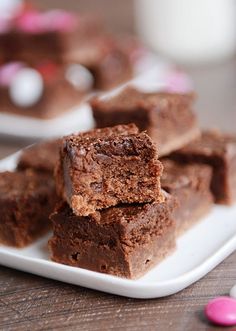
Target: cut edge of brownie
(179,141)
(95,173)
(114,247)
(218,150)
(27,200)
(40,157)
(190,185)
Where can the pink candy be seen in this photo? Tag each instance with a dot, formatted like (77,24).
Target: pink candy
(54,20)
(222,311)
(8,72)
(30,22)
(178,82)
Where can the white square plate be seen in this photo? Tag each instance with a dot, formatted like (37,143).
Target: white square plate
(198,251)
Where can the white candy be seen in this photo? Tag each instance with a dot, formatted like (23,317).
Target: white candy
(26,88)
(80,77)
(9,8)
(232,292)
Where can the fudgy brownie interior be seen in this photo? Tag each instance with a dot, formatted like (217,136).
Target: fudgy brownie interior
(108,166)
(126,240)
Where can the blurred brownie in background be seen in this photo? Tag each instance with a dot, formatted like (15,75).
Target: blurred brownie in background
(190,185)
(27,198)
(106,60)
(104,167)
(40,157)
(51,34)
(51,60)
(124,241)
(168,118)
(44,90)
(219,151)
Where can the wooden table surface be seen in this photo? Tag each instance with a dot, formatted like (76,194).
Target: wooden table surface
(28,302)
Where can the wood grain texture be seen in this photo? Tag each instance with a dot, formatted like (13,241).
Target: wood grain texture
(32,303)
(29,302)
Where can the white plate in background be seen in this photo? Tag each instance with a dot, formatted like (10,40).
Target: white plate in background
(78,119)
(198,251)
(150,72)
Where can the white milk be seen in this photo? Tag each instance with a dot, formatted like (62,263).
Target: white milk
(188,30)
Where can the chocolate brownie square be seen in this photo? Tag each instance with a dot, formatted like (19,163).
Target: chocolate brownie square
(103,167)
(26,201)
(52,34)
(40,157)
(219,151)
(125,240)
(50,91)
(167,117)
(105,59)
(53,89)
(190,185)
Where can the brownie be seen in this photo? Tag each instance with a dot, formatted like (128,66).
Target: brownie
(167,117)
(27,199)
(98,64)
(51,41)
(106,60)
(40,157)
(219,151)
(125,240)
(104,167)
(58,95)
(190,185)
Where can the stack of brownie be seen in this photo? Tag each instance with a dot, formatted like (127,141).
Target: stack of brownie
(50,61)
(199,167)
(113,208)
(113,216)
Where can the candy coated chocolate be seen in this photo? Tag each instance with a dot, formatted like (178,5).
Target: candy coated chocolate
(8,72)
(26,88)
(221,311)
(33,21)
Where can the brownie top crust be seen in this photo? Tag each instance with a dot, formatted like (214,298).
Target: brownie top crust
(92,52)
(211,144)
(131,98)
(120,140)
(89,136)
(22,184)
(122,221)
(42,156)
(177,175)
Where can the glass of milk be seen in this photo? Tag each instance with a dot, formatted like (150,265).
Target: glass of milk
(188,30)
